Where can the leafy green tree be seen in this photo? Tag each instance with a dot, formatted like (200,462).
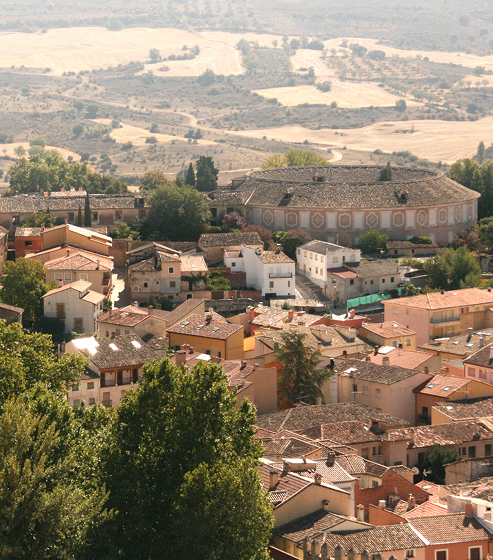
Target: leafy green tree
(87,212)
(41,217)
(300,379)
(210,504)
(373,242)
(78,129)
(386,173)
(20,151)
(485,232)
(96,183)
(124,231)
(44,510)
(38,141)
(295,158)
(190,177)
(154,55)
(456,268)
(176,213)
(24,284)
(207,78)
(206,177)
(153,179)
(435,461)
(79,217)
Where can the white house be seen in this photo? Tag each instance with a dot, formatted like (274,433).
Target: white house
(315,257)
(272,272)
(75,304)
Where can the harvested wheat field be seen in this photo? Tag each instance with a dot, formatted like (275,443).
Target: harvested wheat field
(445,141)
(8,150)
(348,95)
(263,39)
(89,48)
(306,58)
(463,59)
(222,60)
(136,135)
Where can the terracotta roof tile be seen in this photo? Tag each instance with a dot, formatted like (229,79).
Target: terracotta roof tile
(388,329)
(199,325)
(482,357)
(234,239)
(409,359)
(443,385)
(183,310)
(82,260)
(451,299)
(375,373)
(450,528)
(463,345)
(426,509)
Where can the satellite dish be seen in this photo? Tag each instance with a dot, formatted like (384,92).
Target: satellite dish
(415,470)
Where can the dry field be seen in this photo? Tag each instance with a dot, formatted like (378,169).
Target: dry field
(306,58)
(467,60)
(8,150)
(89,48)
(223,59)
(136,135)
(263,39)
(348,95)
(444,141)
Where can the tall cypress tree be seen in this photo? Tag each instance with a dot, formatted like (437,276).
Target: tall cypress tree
(87,213)
(79,217)
(190,178)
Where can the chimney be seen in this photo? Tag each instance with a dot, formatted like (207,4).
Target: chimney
(427,369)
(469,334)
(273,480)
(381,504)
(211,310)
(330,459)
(481,341)
(375,352)
(149,310)
(68,252)
(344,354)
(411,502)
(360,512)
(318,478)
(181,357)
(331,363)
(319,400)
(489,289)
(326,505)
(255,367)
(191,349)
(385,361)
(351,335)
(278,248)
(98,264)
(442,292)
(285,467)
(243,364)
(367,359)
(290,314)
(468,508)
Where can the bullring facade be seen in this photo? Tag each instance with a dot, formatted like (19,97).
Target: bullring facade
(338,203)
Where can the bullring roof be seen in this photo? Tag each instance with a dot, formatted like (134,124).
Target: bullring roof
(341,186)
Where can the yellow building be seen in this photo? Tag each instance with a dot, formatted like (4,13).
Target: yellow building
(209,334)
(388,334)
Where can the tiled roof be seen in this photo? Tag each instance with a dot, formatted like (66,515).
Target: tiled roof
(409,359)
(438,493)
(86,232)
(200,325)
(343,272)
(389,329)
(288,447)
(93,297)
(131,315)
(343,186)
(481,357)
(424,510)
(289,484)
(466,409)
(183,310)
(374,373)
(166,257)
(147,265)
(374,540)
(450,528)
(27,231)
(356,465)
(272,257)
(348,433)
(11,308)
(409,245)
(34,202)
(275,317)
(81,260)
(312,525)
(230,239)
(79,286)
(443,386)
(193,263)
(332,473)
(463,344)
(304,417)
(454,298)
(322,247)
(454,433)
(119,352)
(373,269)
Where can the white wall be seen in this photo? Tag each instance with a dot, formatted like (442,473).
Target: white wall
(258,274)
(75,308)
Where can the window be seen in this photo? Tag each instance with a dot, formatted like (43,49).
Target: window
(67,277)
(487,450)
(316,257)
(421,458)
(371,282)
(364,452)
(482,374)
(171,270)
(59,276)
(60,310)
(409,553)
(94,216)
(213,212)
(289,283)
(233,265)
(378,393)
(475,553)
(28,243)
(229,210)
(78,325)
(219,354)
(355,388)
(90,385)
(383,280)
(84,276)
(374,483)
(117,332)
(172,284)
(366,390)
(316,270)
(471,372)
(127,331)
(92,401)
(145,284)
(351,282)
(408,342)
(441,554)
(392,279)
(76,403)
(75,387)
(395,343)
(271,285)
(471,452)
(118,215)
(335,259)
(71,217)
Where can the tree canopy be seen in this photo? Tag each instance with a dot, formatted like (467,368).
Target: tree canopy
(23,286)
(180,467)
(456,268)
(176,213)
(479,178)
(300,379)
(206,176)
(373,242)
(295,158)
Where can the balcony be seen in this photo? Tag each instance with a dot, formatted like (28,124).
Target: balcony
(442,320)
(280,275)
(107,404)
